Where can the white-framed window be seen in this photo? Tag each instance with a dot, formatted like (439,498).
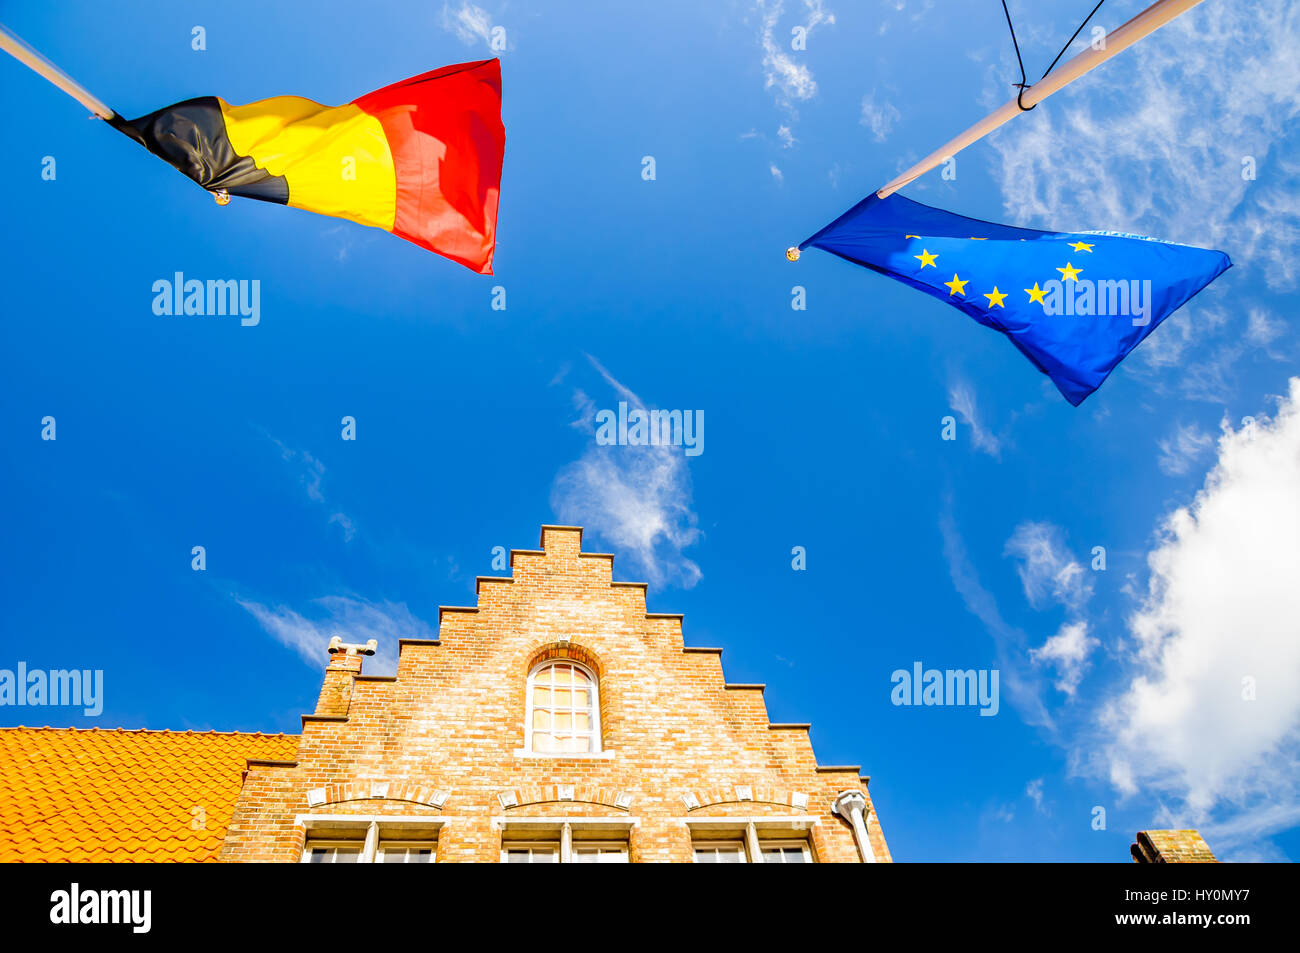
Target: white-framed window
(720,852)
(361,839)
(752,840)
(599,852)
(565,840)
(333,852)
(786,852)
(530,852)
(563,715)
(406,852)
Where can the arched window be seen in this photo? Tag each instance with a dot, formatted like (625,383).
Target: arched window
(563,709)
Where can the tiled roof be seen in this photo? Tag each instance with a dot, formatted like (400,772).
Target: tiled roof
(91,795)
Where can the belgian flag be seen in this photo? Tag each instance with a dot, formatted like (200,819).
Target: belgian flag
(420,158)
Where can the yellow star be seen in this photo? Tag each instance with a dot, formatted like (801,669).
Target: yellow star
(926,258)
(996,298)
(956,286)
(1036,294)
(1081,246)
(1069,272)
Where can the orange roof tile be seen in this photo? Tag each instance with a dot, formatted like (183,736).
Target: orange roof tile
(91,795)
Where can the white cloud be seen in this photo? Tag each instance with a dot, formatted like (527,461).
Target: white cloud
(1223,605)
(471,24)
(1068,652)
(776,173)
(636,499)
(782,71)
(961,397)
(1021,687)
(878,117)
(354,619)
(311,475)
(1179,451)
(786,136)
(1034,791)
(1048,570)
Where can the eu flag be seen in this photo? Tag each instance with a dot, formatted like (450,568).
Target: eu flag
(1074,303)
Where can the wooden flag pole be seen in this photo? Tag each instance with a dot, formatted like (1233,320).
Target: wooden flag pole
(39,64)
(1148,21)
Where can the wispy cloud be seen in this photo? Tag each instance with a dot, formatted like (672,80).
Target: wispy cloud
(470,23)
(1068,653)
(961,397)
(791,80)
(1183,448)
(637,499)
(352,618)
(1021,685)
(310,473)
(1034,791)
(1048,570)
(878,117)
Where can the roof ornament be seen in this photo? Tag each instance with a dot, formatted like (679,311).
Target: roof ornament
(352,648)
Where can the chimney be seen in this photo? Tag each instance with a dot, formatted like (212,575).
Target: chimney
(1171,847)
(344,665)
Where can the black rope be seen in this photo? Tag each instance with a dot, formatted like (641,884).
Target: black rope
(1068,42)
(1022,84)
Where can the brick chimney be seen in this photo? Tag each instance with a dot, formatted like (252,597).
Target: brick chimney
(344,665)
(1171,847)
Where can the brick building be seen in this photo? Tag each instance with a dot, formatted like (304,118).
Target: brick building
(556,721)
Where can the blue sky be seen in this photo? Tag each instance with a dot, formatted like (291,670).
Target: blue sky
(1121,688)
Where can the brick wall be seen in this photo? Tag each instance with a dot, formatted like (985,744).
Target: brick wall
(445,737)
(1171,847)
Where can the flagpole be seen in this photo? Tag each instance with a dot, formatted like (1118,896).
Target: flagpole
(24,54)
(1146,22)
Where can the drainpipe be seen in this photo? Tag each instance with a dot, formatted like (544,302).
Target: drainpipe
(852,805)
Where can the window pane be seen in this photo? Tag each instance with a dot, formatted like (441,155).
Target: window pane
(563,674)
(580,699)
(705,856)
(582,721)
(542,719)
(580,677)
(580,743)
(561,696)
(517,857)
(563,721)
(541,697)
(543,742)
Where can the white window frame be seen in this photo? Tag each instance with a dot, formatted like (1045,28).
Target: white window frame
(370,832)
(754,833)
(558,833)
(532,846)
(430,845)
(765,844)
(596,747)
(599,848)
(332,843)
(715,845)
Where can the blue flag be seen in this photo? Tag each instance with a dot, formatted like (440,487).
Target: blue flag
(1074,303)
